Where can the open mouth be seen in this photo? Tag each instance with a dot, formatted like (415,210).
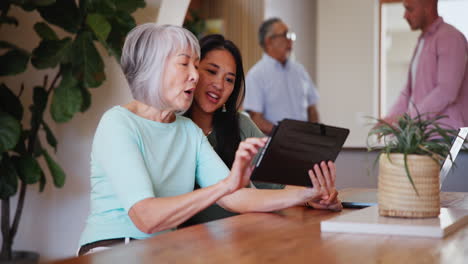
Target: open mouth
(189,91)
(213,97)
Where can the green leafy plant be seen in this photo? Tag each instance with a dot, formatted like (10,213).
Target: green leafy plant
(78,67)
(421,135)
(195,23)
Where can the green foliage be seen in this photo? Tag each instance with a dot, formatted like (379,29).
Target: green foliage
(9,103)
(66,99)
(196,24)
(28,168)
(421,135)
(9,132)
(14,61)
(78,66)
(57,173)
(44,31)
(8,179)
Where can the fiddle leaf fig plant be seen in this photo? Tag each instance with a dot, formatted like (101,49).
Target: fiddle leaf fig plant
(77,67)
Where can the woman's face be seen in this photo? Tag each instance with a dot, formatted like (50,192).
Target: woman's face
(180,79)
(217,76)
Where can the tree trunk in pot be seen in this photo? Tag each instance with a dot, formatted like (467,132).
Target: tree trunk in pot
(397,196)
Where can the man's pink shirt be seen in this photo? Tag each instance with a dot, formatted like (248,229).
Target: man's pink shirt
(441,78)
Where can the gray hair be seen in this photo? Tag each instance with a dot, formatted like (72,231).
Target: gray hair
(265,29)
(144,57)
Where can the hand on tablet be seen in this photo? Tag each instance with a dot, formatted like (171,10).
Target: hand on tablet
(323,179)
(242,169)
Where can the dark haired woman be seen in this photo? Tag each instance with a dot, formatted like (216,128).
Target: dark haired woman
(218,96)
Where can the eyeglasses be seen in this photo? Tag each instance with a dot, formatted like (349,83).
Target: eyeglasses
(287,35)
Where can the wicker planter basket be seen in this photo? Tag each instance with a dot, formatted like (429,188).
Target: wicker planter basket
(396,194)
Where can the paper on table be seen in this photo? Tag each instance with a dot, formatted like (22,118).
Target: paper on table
(368,221)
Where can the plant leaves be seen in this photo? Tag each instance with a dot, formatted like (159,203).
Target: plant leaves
(28,169)
(50,53)
(13,62)
(42,182)
(87,61)
(129,6)
(20,147)
(104,7)
(10,131)
(8,20)
(50,136)
(26,5)
(9,103)
(67,98)
(43,2)
(121,24)
(7,45)
(86,99)
(56,171)
(8,177)
(63,13)
(408,174)
(40,98)
(37,148)
(99,25)
(44,31)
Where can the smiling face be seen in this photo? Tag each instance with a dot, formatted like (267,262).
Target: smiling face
(217,77)
(180,79)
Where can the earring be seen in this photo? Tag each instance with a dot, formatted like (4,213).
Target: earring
(224,108)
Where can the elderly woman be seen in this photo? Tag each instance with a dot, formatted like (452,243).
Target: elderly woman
(146,159)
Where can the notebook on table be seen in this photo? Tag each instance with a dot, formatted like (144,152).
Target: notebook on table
(293,148)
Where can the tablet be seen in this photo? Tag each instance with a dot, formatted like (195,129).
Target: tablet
(293,148)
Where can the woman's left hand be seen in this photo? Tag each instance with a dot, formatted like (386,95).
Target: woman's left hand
(326,175)
(333,203)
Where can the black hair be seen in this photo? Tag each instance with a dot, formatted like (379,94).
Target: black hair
(226,124)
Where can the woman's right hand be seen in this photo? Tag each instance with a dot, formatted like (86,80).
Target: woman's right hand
(242,167)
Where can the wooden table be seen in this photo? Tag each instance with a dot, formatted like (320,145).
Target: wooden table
(289,236)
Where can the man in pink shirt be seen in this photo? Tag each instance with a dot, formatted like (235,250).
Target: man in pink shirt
(438,75)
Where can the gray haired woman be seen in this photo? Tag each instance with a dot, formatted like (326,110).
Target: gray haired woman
(145,158)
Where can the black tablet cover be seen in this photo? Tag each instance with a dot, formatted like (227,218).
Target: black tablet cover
(293,148)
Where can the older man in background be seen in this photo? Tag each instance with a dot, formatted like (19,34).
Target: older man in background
(276,86)
(438,75)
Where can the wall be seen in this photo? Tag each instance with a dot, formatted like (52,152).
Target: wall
(241,20)
(347,64)
(301,17)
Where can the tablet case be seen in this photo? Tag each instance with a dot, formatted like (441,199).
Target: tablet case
(293,148)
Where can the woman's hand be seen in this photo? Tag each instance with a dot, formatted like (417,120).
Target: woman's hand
(242,167)
(323,194)
(333,203)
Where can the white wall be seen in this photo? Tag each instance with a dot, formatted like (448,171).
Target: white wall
(347,64)
(300,16)
(52,221)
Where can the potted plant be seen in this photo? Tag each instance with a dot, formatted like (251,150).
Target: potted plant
(77,66)
(409,164)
